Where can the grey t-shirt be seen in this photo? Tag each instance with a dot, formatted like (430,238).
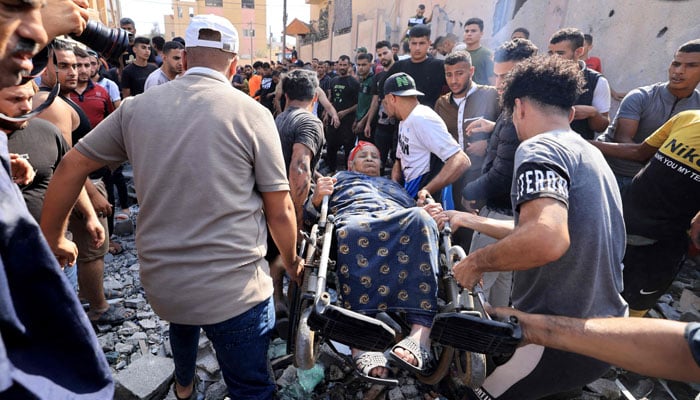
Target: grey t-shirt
(652,106)
(587,279)
(297,125)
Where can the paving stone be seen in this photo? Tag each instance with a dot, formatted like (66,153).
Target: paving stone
(147,378)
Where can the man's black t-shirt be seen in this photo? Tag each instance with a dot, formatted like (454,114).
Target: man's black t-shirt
(44,144)
(344,91)
(134,77)
(267,86)
(428,74)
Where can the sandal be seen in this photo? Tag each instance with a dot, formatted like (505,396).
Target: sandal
(419,353)
(366,362)
(114,315)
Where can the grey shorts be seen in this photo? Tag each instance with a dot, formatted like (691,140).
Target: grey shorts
(82,238)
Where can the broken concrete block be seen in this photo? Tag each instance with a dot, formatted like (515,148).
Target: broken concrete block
(208,363)
(144,379)
(689,301)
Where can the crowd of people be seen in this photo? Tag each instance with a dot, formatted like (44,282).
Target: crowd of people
(549,195)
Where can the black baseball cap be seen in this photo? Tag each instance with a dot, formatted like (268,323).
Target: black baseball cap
(401,84)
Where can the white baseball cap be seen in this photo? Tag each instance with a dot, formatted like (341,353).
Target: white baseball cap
(229,34)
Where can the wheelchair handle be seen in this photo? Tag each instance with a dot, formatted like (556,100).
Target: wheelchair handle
(324,212)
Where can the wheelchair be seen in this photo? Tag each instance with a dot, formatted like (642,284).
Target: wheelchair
(463,333)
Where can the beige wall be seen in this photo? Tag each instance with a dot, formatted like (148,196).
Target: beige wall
(626,42)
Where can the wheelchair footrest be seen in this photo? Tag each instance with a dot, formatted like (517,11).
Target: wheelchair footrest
(468,332)
(350,328)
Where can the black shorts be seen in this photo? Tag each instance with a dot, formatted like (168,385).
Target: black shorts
(650,270)
(535,372)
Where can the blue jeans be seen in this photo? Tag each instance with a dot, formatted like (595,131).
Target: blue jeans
(241,345)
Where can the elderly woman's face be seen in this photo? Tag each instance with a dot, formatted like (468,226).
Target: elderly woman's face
(367,162)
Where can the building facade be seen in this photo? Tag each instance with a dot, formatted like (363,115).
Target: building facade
(248,16)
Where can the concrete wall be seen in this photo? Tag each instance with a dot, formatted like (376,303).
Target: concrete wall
(635,39)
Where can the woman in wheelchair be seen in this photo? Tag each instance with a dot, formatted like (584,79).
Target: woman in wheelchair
(387,258)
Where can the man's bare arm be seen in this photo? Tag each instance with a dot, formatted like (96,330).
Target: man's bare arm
(541,236)
(61,195)
(625,130)
(279,212)
(630,151)
(596,120)
(651,347)
(300,178)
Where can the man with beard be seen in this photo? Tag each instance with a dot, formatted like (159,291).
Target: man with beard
(171,67)
(344,91)
(36,362)
(385,127)
(466,101)
(73,123)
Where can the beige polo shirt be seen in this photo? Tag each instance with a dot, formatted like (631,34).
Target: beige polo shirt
(202,152)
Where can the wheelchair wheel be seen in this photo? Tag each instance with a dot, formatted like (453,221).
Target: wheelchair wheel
(306,345)
(443,366)
(469,369)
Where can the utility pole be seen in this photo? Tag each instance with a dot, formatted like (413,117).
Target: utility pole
(284,30)
(269,45)
(250,33)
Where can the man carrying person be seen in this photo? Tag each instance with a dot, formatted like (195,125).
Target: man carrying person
(344,91)
(482,57)
(207,253)
(427,72)
(493,186)
(559,241)
(170,68)
(135,74)
(594,103)
(646,108)
(301,134)
(428,158)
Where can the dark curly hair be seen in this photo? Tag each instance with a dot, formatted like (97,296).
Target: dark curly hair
(548,80)
(514,50)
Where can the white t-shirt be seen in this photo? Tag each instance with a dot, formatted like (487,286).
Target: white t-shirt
(155,78)
(601,96)
(422,133)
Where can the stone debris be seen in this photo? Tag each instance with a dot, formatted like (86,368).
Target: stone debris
(140,355)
